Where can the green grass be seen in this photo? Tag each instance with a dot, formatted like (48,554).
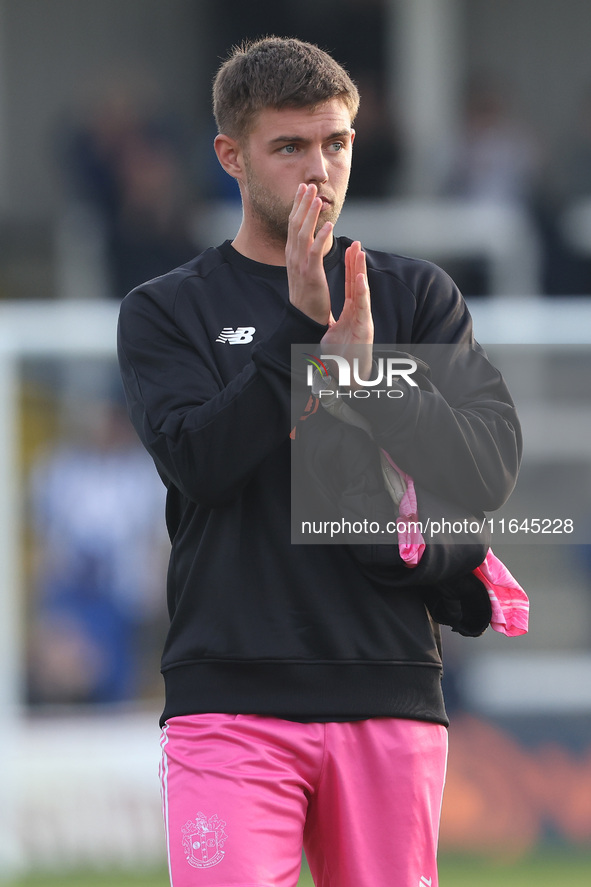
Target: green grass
(96,879)
(93,879)
(545,869)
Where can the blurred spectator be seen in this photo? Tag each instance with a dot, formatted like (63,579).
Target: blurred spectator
(97,510)
(124,159)
(577,168)
(497,157)
(571,215)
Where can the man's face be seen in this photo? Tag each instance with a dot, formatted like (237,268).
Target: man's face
(290,146)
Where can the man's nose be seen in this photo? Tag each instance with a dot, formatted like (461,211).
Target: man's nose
(317,171)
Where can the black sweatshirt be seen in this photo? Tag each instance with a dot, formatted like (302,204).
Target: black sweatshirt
(260,625)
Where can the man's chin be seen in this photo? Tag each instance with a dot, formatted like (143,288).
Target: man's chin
(330,214)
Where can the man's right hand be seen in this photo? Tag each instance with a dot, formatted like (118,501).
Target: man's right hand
(304,253)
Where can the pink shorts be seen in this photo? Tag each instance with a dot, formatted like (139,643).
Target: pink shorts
(242,794)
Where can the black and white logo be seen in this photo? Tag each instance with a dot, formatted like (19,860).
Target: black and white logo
(240,336)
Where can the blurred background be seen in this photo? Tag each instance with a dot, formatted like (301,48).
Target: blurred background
(473,150)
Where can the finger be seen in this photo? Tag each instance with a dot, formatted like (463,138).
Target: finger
(361,280)
(301,205)
(360,262)
(320,241)
(302,202)
(299,213)
(350,260)
(348,312)
(362,302)
(311,212)
(301,190)
(348,274)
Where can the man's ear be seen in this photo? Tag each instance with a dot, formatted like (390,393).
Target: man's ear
(229,155)
(352,136)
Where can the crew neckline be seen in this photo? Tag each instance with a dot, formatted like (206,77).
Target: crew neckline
(260,269)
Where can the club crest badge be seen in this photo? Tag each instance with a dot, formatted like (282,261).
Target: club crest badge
(203,840)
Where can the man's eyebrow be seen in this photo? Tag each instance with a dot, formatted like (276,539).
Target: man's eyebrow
(342,133)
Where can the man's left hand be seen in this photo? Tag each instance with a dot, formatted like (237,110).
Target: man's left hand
(352,334)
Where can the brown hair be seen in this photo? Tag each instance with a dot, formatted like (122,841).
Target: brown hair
(276,72)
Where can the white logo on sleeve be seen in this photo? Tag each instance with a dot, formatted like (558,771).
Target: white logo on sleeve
(240,336)
(425,882)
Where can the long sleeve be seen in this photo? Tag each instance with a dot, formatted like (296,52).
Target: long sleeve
(456,432)
(206,433)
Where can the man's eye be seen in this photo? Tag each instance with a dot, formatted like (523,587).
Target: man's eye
(337,146)
(289,149)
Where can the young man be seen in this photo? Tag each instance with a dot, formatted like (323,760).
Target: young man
(303,688)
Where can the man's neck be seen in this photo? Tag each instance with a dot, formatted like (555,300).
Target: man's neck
(259,247)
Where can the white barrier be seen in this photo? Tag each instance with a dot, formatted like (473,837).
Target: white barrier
(500,233)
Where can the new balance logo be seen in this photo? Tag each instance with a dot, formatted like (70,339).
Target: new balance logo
(425,882)
(240,336)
